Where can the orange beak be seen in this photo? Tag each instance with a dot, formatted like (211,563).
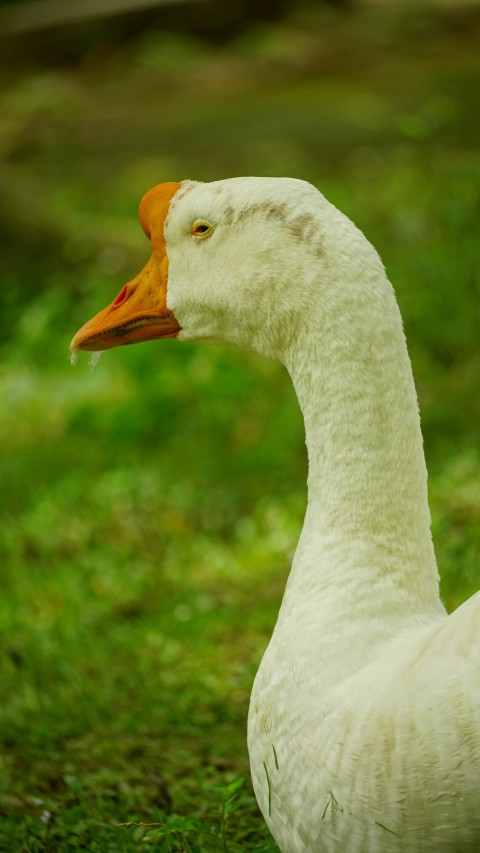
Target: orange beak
(139,313)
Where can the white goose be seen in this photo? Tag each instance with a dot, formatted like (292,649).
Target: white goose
(364,719)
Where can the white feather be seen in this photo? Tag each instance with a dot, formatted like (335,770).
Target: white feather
(94,358)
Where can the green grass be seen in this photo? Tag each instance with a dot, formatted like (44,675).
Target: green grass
(149,508)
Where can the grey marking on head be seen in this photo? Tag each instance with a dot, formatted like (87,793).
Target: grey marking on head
(269,208)
(305,226)
(229,214)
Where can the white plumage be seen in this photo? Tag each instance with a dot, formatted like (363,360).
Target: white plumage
(363,729)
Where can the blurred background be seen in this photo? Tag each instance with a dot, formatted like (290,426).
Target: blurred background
(149,508)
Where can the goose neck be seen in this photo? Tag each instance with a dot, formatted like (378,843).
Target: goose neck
(367,521)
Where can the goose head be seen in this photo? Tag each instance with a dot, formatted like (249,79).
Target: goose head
(238,261)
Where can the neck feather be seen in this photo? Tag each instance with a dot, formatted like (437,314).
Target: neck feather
(367,527)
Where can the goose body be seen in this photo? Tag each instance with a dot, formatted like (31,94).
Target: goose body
(364,721)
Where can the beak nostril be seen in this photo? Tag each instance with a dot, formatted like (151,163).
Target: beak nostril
(121,297)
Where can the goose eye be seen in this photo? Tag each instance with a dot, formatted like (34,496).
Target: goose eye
(201,228)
